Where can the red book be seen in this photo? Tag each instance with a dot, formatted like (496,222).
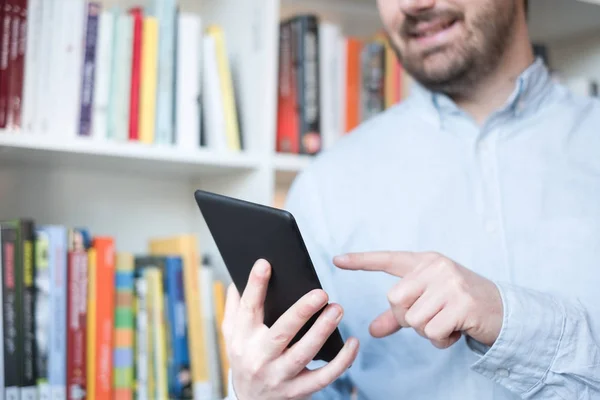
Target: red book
(134,107)
(76,323)
(5,27)
(288,128)
(18,72)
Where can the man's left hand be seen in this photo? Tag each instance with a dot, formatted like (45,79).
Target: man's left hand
(437,297)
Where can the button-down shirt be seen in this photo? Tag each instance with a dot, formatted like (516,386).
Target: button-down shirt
(515,199)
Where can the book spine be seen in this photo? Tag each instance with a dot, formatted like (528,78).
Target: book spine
(102,74)
(15,60)
(124,328)
(165,11)
(32,71)
(307,64)
(149,68)
(43,310)
(179,363)
(122,73)
(136,62)
(89,69)
(7,16)
(91,325)
(287,106)
(10,312)
(156,295)
(105,264)
(77,324)
(57,362)
(141,342)
(27,243)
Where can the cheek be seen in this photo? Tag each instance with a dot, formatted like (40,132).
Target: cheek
(390,14)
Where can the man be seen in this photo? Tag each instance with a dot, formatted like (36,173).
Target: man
(457,235)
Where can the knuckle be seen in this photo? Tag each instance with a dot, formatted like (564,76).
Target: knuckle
(305,311)
(248,306)
(412,319)
(299,360)
(237,349)
(255,369)
(433,333)
(322,380)
(281,337)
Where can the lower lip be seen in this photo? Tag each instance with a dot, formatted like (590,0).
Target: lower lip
(439,38)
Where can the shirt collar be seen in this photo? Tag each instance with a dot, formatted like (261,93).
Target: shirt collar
(531,88)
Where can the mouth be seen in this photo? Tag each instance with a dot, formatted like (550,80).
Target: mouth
(429,29)
(434,33)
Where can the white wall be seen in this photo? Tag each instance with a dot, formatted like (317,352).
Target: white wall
(577,57)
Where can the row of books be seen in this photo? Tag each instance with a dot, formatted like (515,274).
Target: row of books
(329,83)
(83,320)
(140,74)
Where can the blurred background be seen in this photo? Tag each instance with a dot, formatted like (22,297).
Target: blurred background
(113,112)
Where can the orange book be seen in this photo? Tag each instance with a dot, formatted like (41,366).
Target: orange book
(105,290)
(353,83)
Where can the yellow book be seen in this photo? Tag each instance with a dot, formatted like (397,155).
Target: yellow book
(91,326)
(150,340)
(391,77)
(186,247)
(219,301)
(231,118)
(149,70)
(155,290)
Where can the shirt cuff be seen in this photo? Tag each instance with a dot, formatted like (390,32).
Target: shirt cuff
(230,392)
(532,329)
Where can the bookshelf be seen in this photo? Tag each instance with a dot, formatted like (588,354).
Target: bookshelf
(135,191)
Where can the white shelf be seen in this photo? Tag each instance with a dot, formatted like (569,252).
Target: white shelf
(37,150)
(287,166)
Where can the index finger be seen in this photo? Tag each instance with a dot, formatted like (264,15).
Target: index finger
(397,263)
(251,306)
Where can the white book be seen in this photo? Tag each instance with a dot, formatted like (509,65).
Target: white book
(122,76)
(189,56)
(207,304)
(45,88)
(67,73)
(213,111)
(74,17)
(104,54)
(329,71)
(33,64)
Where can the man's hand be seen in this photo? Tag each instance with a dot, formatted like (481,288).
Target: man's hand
(437,297)
(262,365)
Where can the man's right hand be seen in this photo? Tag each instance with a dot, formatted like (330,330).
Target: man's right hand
(261,364)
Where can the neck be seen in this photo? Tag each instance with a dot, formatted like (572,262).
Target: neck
(493,91)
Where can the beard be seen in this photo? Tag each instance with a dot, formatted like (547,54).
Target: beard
(457,68)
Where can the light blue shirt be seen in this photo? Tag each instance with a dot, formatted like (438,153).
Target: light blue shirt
(516,200)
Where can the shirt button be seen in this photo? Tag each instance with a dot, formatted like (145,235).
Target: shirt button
(502,372)
(491,227)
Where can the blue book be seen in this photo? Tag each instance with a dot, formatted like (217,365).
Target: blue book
(165,11)
(55,237)
(180,382)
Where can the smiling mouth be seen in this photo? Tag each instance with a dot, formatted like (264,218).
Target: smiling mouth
(428,29)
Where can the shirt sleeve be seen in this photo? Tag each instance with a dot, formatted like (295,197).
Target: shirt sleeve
(546,347)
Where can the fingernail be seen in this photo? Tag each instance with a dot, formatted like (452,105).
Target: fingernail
(262,268)
(333,313)
(352,343)
(342,258)
(317,299)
